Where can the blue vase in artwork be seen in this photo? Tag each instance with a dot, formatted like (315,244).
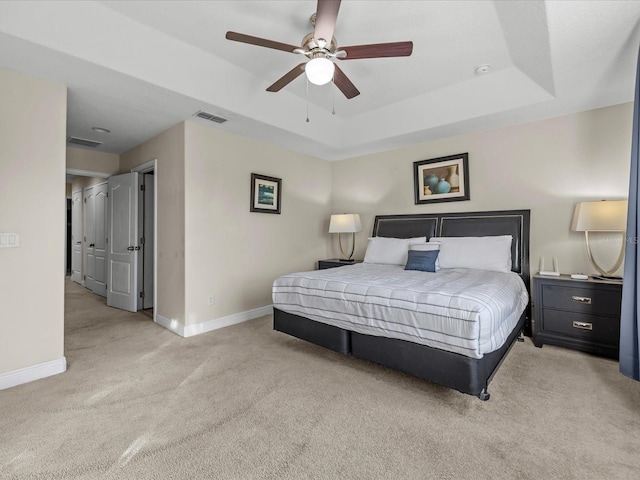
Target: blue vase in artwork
(431,181)
(443,186)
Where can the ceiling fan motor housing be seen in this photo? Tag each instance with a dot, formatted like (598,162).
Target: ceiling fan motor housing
(312,47)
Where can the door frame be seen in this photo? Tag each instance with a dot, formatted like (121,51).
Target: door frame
(152,166)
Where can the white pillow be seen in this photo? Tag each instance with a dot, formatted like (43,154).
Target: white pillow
(483,253)
(390,251)
(425,247)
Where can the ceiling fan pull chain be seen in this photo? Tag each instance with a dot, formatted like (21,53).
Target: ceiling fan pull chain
(307,100)
(333,98)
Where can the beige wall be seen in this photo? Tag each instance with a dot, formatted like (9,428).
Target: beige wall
(209,243)
(545,166)
(168,149)
(236,254)
(33,116)
(92,161)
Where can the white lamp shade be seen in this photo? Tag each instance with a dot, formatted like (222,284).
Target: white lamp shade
(345,223)
(602,216)
(319,70)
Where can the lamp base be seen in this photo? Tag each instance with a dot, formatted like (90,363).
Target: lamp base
(608,277)
(347,260)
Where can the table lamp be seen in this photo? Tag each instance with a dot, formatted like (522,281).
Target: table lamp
(346,223)
(601,216)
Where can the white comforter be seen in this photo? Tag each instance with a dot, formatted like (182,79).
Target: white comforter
(471,312)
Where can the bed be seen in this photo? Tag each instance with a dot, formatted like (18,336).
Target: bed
(446,360)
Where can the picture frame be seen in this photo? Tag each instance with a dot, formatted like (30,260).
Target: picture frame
(442,179)
(266,193)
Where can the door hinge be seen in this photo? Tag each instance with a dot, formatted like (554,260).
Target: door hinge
(141,240)
(141,294)
(142,189)
(85,200)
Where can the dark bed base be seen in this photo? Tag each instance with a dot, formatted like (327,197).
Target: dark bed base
(452,370)
(327,336)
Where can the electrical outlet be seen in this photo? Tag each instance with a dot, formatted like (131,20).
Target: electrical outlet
(9,240)
(210,300)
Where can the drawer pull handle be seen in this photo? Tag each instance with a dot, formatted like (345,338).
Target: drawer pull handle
(583,325)
(585,300)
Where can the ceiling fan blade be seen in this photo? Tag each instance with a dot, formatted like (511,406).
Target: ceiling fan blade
(261,42)
(344,84)
(287,78)
(326,17)
(378,50)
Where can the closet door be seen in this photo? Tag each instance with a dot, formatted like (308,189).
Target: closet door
(95,233)
(76,236)
(100,240)
(89,237)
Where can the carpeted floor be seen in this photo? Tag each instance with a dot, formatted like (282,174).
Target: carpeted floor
(245,402)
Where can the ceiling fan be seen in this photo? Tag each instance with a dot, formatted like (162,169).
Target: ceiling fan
(320,47)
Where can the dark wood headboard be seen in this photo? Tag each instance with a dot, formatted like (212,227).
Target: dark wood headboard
(472,224)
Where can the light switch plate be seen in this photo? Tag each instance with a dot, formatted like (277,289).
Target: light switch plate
(9,240)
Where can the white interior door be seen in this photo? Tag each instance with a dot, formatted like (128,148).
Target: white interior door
(122,246)
(89,237)
(100,239)
(76,236)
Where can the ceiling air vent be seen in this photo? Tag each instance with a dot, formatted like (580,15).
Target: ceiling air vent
(83,141)
(210,116)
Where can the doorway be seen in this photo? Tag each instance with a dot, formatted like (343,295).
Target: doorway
(148,227)
(146,261)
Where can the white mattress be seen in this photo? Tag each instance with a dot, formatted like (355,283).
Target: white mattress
(471,312)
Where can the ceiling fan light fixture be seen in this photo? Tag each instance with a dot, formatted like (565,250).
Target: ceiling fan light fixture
(319,70)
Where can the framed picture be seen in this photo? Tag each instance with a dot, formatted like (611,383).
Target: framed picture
(443,179)
(266,193)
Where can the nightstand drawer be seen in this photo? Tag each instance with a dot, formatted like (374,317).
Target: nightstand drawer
(579,325)
(582,300)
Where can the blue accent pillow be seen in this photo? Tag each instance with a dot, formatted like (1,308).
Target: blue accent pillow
(425,261)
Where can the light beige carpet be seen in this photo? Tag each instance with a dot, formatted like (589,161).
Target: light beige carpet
(245,402)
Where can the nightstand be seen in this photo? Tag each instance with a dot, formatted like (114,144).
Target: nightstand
(579,314)
(334,262)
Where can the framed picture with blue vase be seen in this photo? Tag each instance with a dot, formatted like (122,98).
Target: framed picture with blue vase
(443,179)
(266,193)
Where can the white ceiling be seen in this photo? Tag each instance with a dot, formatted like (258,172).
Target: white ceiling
(140,67)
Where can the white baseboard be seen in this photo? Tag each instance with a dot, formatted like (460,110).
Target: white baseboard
(34,372)
(171,325)
(215,324)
